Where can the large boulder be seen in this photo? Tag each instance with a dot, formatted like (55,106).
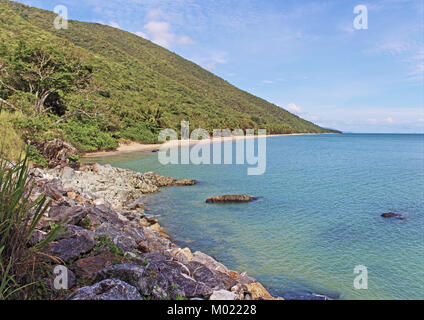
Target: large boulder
(87,268)
(74,243)
(185,182)
(161,278)
(215,279)
(63,213)
(126,238)
(201,273)
(58,152)
(109,289)
(209,262)
(258,292)
(231,199)
(161,181)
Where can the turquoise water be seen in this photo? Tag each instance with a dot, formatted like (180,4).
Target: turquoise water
(318,215)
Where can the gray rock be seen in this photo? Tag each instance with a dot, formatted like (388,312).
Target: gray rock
(71,247)
(154,242)
(67,174)
(109,289)
(222,295)
(37,236)
(72,231)
(209,262)
(231,199)
(130,273)
(105,214)
(201,273)
(124,237)
(67,215)
(160,278)
(244,279)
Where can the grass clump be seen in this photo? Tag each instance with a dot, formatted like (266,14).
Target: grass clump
(20,262)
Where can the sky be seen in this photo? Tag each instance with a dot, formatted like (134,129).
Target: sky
(306,56)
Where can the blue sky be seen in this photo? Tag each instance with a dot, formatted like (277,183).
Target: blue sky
(305,56)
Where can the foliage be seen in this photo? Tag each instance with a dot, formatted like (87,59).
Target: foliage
(88,137)
(34,155)
(10,140)
(104,244)
(19,215)
(44,73)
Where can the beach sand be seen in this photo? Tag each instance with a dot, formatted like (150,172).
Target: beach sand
(139,147)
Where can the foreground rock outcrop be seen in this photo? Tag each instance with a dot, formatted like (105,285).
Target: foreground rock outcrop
(114,251)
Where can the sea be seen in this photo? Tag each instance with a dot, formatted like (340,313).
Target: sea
(316,228)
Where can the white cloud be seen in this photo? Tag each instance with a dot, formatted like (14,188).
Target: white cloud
(294,108)
(114,25)
(394,47)
(267,81)
(417,65)
(160,31)
(184,40)
(211,66)
(142,34)
(215,58)
(368,119)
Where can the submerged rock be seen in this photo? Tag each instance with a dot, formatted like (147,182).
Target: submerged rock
(109,289)
(185,182)
(231,198)
(399,216)
(258,291)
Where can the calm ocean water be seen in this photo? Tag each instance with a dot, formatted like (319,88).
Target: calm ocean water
(317,218)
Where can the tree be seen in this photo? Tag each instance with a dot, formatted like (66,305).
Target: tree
(44,72)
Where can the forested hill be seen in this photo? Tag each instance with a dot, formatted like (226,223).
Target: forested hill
(93,85)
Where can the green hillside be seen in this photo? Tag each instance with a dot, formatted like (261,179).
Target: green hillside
(93,85)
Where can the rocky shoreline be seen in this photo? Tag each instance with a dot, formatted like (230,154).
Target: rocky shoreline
(113,251)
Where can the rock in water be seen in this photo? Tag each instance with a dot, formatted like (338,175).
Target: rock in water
(231,198)
(258,291)
(393,215)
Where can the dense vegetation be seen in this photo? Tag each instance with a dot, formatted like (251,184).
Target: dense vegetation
(93,85)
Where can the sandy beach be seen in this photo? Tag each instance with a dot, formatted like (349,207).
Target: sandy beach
(139,147)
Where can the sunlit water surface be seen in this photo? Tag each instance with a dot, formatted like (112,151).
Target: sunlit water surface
(317,217)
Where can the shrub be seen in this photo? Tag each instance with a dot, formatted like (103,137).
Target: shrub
(19,216)
(88,137)
(140,132)
(11,142)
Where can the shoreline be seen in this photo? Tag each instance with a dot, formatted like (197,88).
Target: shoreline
(135,147)
(114,216)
